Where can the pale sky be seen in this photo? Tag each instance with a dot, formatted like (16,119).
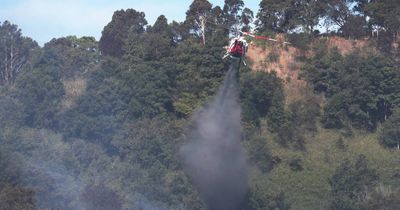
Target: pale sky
(43,20)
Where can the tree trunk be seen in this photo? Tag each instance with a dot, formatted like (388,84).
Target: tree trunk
(13,61)
(203,21)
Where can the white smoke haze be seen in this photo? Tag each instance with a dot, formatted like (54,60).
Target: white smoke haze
(59,180)
(214,157)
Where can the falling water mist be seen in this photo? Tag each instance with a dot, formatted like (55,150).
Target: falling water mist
(214,157)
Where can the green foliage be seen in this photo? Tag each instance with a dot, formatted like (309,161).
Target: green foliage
(350,182)
(295,164)
(148,149)
(236,17)
(11,111)
(389,135)
(299,118)
(198,16)
(40,91)
(340,14)
(304,113)
(382,196)
(362,89)
(261,93)
(99,197)
(149,93)
(383,13)
(198,73)
(17,198)
(300,40)
(116,144)
(246,18)
(116,32)
(15,52)
(13,194)
(273,57)
(258,199)
(232,9)
(287,15)
(74,56)
(260,154)
(308,14)
(115,95)
(155,44)
(354,27)
(275,15)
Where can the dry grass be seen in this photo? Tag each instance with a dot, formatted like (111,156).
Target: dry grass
(286,67)
(346,46)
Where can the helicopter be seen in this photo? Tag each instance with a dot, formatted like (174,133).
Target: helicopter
(238,46)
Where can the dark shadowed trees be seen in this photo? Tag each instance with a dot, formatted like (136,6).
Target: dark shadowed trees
(41,91)
(308,14)
(116,32)
(275,15)
(232,10)
(390,133)
(261,96)
(361,89)
(100,197)
(13,195)
(350,183)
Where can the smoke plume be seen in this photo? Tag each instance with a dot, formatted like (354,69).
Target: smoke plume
(214,158)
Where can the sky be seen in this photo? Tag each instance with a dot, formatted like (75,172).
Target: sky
(43,20)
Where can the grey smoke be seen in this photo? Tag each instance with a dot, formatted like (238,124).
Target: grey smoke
(142,203)
(214,157)
(59,180)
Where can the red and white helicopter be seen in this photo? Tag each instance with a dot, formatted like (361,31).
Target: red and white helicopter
(238,46)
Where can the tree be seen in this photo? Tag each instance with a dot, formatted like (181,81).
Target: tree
(100,197)
(232,10)
(349,23)
(247,18)
(74,56)
(299,118)
(17,198)
(338,11)
(260,154)
(384,13)
(355,27)
(383,196)
(198,72)
(389,136)
(335,111)
(40,91)
(14,52)
(259,198)
(13,195)
(198,16)
(261,94)
(150,91)
(275,15)
(11,112)
(307,14)
(362,89)
(157,43)
(350,183)
(116,32)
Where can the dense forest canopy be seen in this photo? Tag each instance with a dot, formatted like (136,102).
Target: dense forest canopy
(89,124)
